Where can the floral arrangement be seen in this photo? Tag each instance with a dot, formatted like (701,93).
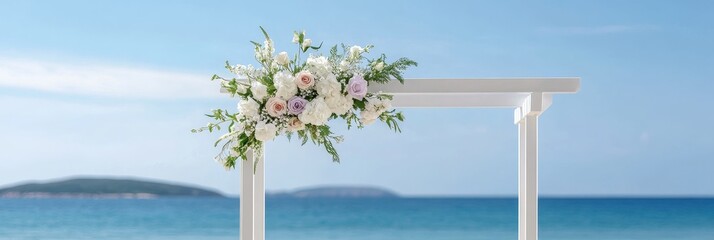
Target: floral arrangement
(289,96)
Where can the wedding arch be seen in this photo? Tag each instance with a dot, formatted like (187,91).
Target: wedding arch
(529,97)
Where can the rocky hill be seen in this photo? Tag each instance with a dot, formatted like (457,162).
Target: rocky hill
(104,188)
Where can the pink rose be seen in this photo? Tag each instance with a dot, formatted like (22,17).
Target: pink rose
(294,124)
(305,80)
(276,106)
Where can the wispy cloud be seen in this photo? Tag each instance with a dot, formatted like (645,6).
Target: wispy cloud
(103,79)
(597,30)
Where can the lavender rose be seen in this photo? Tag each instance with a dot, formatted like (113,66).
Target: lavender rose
(296,105)
(357,87)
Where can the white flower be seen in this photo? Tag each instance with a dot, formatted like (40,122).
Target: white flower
(244,70)
(386,104)
(379,66)
(265,131)
(319,65)
(316,112)
(282,59)
(339,104)
(367,117)
(249,108)
(331,90)
(328,86)
(306,43)
(355,52)
(296,36)
(265,53)
(284,82)
(380,104)
(268,46)
(259,90)
(344,65)
(369,114)
(374,107)
(241,88)
(238,128)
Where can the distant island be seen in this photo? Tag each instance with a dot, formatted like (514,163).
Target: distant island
(337,192)
(103,188)
(142,189)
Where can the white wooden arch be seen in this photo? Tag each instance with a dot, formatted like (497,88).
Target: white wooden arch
(529,97)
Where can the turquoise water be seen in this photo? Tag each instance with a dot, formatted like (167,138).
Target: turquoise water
(349,219)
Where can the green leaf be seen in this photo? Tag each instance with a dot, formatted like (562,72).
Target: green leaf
(264,33)
(316,48)
(359,103)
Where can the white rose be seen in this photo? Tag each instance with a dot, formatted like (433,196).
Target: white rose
(316,112)
(355,51)
(379,66)
(305,80)
(282,59)
(306,43)
(285,84)
(249,108)
(259,90)
(265,131)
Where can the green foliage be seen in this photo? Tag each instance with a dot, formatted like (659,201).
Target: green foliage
(392,119)
(390,70)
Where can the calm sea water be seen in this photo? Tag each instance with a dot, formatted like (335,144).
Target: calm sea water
(349,219)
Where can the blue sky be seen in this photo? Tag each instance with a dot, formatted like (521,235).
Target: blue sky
(112,88)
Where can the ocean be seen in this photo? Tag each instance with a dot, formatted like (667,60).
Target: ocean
(351,219)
